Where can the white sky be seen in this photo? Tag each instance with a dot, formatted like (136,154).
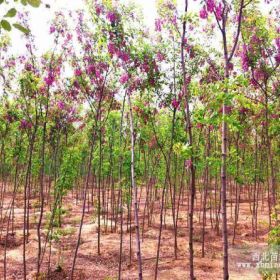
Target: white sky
(40,19)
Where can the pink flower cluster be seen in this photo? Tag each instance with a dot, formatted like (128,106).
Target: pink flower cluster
(158,25)
(160,56)
(90,69)
(277,56)
(52,29)
(49,80)
(244,58)
(78,72)
(260,74)
(24,124)
(60,105)
(175,103)
(111,16)
(124,78)
(211,7)
(98,9)
(121,54)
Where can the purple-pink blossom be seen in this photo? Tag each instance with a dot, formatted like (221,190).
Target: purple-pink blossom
(158,24)
(28,67)
(244,58)
(174,20)
(111,16)
(98,9)
(219,11)
(277,42)
(97,74)
(145,67)
(90,69)
(210,6)
(52,29)
(160,56)
(277,58)
(123,56)
(228,109)
(78,72)
(76,84)
(49,79)
(175,103)
(60,105)
(259,74)
(111,48)
(124,78)
(24,124)
(203,13)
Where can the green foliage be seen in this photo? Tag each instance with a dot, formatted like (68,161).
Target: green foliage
(274,236)
(33,3)
(68,170)
(11,13)
(58,233)
(6,25)
(21,28)
(182,150)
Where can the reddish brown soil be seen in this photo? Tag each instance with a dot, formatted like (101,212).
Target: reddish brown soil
(91,266)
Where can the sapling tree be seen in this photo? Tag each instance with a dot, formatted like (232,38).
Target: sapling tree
(110,142)
(222,12)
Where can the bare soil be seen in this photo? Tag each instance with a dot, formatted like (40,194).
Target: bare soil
(90,265)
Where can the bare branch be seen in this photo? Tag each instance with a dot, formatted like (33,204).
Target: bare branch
(238,30)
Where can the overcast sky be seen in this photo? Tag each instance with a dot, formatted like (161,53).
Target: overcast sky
(40,19)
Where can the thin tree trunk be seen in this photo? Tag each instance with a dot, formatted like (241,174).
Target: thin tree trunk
(134,188)
(191,165)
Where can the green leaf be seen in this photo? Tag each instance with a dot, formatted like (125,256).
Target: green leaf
(21,28)
(24,2)
(34,3)
(6,25)
(1,1)
(11,13)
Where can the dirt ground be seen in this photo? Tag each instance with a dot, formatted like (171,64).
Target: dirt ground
(90,265)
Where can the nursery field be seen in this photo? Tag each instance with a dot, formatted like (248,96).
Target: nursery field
(131,150)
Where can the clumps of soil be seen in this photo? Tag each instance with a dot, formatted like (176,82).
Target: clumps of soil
(56,275)
(60,274)
(12,241)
